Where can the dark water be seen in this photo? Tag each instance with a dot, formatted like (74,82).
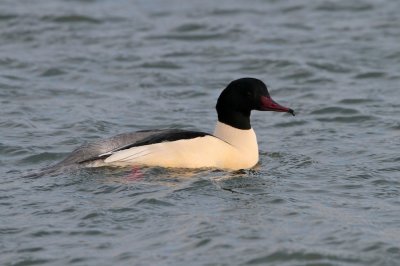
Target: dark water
(327,188)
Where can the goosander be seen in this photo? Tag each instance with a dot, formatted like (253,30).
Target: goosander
(232,146)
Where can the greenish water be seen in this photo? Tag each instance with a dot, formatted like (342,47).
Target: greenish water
(326,191)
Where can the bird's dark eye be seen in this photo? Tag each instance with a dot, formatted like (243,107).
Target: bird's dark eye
(249,94)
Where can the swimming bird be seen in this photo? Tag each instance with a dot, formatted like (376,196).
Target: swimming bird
(232,146)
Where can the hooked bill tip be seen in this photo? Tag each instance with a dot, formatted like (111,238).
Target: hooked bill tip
(291,111)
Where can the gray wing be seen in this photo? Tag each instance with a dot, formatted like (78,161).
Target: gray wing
(103,148)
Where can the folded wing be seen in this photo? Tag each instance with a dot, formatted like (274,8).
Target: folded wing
(104,148)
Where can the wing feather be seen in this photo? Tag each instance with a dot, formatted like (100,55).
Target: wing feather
(104,148)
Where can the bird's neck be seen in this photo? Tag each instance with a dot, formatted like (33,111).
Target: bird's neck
(243,139)
(236,119)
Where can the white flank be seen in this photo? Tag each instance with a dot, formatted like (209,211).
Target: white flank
(231,148)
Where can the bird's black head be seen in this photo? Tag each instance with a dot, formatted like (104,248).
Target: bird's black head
(240,97)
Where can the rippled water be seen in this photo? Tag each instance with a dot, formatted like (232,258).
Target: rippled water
(327,188)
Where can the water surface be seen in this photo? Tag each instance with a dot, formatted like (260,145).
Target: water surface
(326,191)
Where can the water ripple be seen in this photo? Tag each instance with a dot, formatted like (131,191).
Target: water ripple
(334,110)
(347,119)
(326,190)
(68,19)
(316,257)
(370,75)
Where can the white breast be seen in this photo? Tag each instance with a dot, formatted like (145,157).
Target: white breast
(230,149)
(245,141)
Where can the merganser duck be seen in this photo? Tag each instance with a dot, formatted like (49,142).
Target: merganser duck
(232,146)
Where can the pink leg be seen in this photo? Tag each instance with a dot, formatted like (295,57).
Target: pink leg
(135,174)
